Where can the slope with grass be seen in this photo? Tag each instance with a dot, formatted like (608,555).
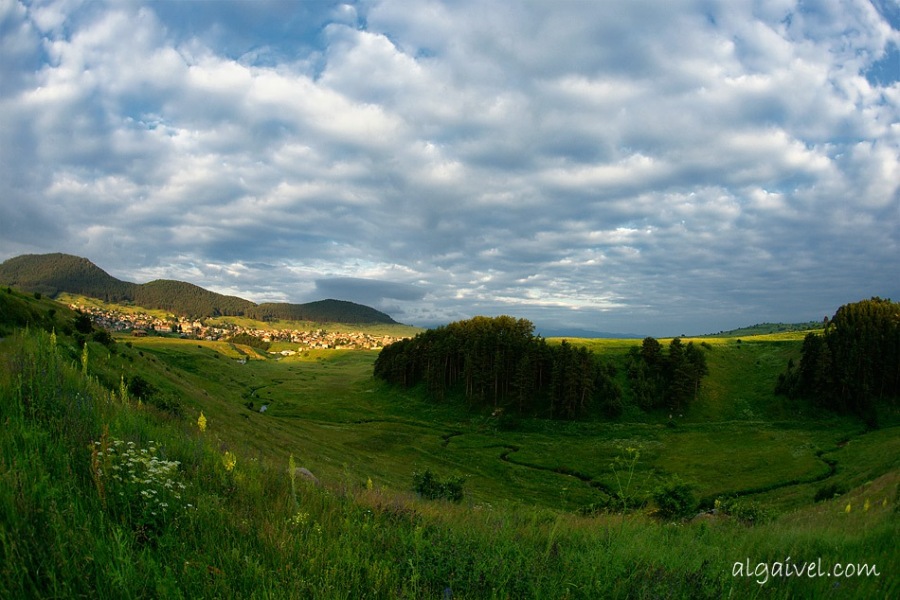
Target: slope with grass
(243,526)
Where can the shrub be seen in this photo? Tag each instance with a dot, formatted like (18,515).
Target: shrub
(83,323)
(429,486)
(830,491)
(140,387)
(166,402)
(102,336)
(746,511)
(675,500)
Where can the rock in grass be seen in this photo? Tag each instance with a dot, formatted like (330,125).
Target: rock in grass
(307,475)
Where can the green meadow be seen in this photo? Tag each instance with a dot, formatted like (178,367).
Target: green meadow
(551,509)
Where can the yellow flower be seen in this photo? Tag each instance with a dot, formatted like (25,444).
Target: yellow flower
(866,505)
(884,503)
(201,422)
(847,510)
(369,484)
(229,460)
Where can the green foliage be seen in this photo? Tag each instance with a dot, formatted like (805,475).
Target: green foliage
(102,336)
(247,533)
(138,387)
(855,364)
(499,362)
(670,380)
(746,511)
(18,310)
(137,486)
(675,499)
(188,299)
(430,486)
(250,340)
(321,311)
(83,323)
(767,328)
(623,468)
(829,491)
(51,274)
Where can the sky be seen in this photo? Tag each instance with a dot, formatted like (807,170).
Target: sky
(659,167)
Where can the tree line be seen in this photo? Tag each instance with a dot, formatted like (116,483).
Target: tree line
(499,362)
(855,364)
(670,379)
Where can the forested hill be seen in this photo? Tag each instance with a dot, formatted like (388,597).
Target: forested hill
(52,274)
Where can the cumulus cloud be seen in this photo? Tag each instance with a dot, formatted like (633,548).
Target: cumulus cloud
(641,166)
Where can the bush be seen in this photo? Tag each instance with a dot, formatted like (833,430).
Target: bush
(429,486)
(830,491)
(140,387)
(675,500)
(83,323)
(166,402)
(746,511)
(102,336)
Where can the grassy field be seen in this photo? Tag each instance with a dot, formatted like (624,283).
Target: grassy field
(529,525)
(324,406)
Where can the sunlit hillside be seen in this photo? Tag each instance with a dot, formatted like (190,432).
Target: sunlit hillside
(164,467)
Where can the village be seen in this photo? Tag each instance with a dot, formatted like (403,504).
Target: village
(142,324)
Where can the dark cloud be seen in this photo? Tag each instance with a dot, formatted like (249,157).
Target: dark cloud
(347,287)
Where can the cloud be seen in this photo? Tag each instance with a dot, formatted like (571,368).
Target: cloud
(651,166)
(388,296)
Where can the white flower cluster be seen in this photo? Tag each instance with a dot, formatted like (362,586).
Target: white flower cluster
(147,484)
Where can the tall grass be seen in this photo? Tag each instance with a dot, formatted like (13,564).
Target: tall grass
(241,528)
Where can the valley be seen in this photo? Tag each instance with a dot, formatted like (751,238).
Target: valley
(550,508)
(326,408)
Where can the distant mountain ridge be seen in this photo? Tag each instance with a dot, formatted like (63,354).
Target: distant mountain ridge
(52,274)
(766,328)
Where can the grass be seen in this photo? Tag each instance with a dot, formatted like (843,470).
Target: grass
(324,406)
(244,527)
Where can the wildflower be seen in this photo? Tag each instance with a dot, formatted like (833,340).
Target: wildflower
(201,422)
(847,510)
(884,503)
(866,506)
(229,460)
(369,484)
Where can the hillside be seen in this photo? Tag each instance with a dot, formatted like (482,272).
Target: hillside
(115,487)
(767,328)
(52,274)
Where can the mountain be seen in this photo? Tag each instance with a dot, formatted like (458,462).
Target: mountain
(52,274)
(572,332)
